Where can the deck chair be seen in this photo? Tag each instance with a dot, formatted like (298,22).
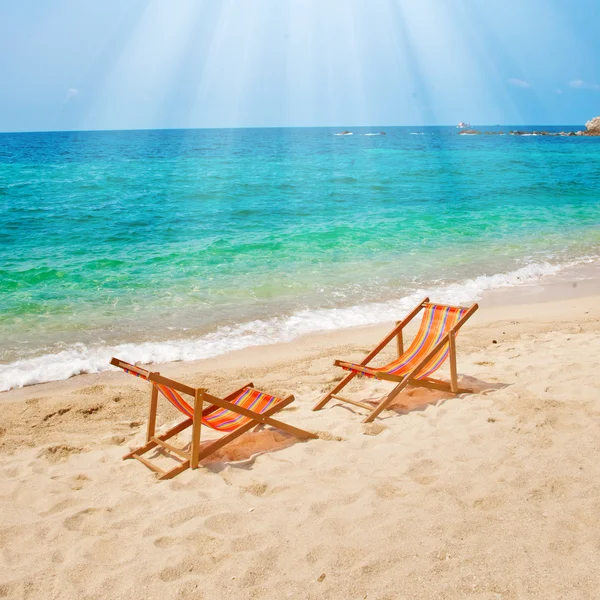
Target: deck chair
(234,415)
(434,342)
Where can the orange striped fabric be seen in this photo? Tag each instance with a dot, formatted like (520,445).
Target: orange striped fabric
(221,419)
(136,374)
(437,321)
(175,398)
(249,398)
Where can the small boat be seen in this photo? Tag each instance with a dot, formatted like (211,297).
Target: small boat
(463,125)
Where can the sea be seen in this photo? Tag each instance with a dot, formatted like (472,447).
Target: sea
(171,245)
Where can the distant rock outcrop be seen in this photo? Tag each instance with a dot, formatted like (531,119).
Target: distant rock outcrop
(593,126)
(592,129)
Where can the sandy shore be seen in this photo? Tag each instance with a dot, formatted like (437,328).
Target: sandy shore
(492,495)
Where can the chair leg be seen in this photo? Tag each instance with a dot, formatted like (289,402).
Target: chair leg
(343,383)
(399,341)
(196,426)
(386,401)
(223,441)
(151,430)
(438,384)
(165,436)
(175,471)
(453,371)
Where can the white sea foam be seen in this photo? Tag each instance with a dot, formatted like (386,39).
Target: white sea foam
(84,359)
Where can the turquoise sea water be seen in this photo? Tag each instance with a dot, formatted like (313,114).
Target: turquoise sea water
(168,245)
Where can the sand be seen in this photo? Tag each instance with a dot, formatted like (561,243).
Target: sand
(491,495)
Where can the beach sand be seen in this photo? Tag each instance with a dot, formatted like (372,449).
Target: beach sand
(491,495)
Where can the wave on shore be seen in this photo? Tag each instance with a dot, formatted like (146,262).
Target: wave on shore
(81,359)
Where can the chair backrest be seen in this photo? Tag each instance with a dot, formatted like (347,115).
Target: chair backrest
(221,419)
(438,319)
(170,393)
(175,398)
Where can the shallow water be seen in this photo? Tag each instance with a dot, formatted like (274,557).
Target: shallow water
(168,245)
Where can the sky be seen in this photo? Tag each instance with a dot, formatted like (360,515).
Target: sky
(145,64)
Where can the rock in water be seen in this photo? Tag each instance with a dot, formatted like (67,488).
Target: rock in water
(593,126)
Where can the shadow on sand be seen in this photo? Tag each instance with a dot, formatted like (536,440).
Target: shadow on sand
(240,453)
(418,399)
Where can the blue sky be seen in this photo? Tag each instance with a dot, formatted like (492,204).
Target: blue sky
(130,64)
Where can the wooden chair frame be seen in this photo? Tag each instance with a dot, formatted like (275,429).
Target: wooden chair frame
(201,397)
(410,377)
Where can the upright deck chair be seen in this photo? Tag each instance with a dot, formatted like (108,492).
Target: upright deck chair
(234,415)
(434,342)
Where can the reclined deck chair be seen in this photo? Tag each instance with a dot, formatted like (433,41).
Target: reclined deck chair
(434,342)
(234,415)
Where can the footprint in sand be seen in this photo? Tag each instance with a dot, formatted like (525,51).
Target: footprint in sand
(488,502)
(91,410)
(56,413)
(92,390)
(183,515)
(59,507)
(90,521)
(196,539)
(198,563)
(319,508)
(422,471)
(388,490)
(57,453)
(245,543)
(165,542)
(225,522)
(257,489)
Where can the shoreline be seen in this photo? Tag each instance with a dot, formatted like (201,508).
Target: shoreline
(580,284)
(582,279)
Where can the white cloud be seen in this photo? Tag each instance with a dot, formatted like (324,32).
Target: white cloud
(579,84)
(71,93)
(519,83)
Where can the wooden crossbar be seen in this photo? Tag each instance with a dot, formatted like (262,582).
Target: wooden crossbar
(447,305)
(171,448)
(180,387)
(355,402)
(133,368)
(437,384)
(150,465)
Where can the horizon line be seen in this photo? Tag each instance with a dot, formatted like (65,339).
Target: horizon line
(345,127)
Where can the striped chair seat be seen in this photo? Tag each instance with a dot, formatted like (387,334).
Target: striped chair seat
(221,419)
(224,419)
